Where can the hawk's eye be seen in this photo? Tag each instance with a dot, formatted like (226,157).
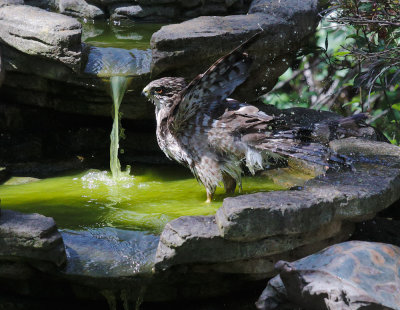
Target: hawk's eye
(158,90)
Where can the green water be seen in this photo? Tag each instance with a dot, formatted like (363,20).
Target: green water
(129,35)
(147,201)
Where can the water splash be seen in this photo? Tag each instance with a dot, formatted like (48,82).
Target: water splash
(118,86)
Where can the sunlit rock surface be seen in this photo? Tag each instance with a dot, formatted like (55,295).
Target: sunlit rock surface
(80,8)
(40,33)
(350,275)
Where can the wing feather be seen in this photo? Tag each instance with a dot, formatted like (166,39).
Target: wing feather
(213,86)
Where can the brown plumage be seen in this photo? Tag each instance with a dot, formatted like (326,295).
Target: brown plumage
(214,136)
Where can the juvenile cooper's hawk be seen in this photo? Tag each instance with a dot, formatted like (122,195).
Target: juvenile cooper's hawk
(213,135)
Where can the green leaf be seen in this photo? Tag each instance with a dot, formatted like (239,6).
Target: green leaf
(396,106)
(341,53)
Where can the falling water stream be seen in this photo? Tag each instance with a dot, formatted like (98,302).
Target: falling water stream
(118,85)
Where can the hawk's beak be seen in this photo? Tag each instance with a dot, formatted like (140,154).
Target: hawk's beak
(145,92)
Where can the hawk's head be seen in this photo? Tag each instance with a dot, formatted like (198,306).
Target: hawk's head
(163,91)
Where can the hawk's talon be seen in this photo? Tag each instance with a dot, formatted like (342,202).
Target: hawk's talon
(209,198)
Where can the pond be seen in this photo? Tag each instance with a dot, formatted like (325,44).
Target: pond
(146,201)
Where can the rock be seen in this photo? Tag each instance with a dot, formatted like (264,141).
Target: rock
(80,8)
(351,275)
(360,195)
(208,38)
(30,237)
(40,33)
(196,240)
(361,147)
(143,12)
(10,2)
(250,233)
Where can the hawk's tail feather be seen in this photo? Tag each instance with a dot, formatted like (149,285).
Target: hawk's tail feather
(327,130)
(311,152)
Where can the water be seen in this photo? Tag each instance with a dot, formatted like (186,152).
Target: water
(117,66)
(126,35)
(118,86)
(146,202)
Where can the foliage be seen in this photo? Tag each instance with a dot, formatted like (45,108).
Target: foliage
(353,65)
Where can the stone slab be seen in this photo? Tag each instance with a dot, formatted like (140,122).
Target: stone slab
(80,8)
(41,33)
(343,195)
(196,240)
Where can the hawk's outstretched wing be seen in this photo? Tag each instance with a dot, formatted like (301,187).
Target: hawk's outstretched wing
(213,86)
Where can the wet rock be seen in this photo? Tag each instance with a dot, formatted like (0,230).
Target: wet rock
(49,35)
(30,237)
(208,38)
(80,8)
(351,275)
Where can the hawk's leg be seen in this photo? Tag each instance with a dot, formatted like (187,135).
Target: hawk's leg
(229,183)
(210,195)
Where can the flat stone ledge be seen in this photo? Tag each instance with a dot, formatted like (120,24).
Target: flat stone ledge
(40,33)
(196,239)
(30,237)
(350,195)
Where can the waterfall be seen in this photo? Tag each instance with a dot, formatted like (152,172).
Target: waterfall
(118,85)
(118,67)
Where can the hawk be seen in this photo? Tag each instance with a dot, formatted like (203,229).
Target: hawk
(215,136)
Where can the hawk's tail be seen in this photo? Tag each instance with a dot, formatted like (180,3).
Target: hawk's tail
(278,149)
